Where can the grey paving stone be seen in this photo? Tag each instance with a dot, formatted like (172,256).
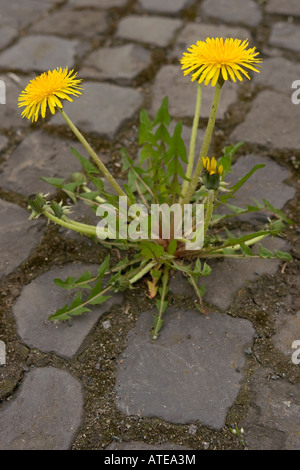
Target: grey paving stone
(233,11)
(39,53)
(39,154)
(121,63)
(229,275)
(152,30)
(278,74)
(45,414)
(102,109)
(272,422)
(18,236)
(171,82)
(20,14)
(287,331)
(3,142)
(193,32)
(167,6)
(272,121)
(193,372)
(42,298)
(99,3)
(285,35)
(7,33)
(72,23)
(290,7)
(10,114)
(135,445)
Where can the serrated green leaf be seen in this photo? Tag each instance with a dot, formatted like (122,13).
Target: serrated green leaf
(57,182)
(245,249)
(162,116)
(71,283)
(177,146)
(150,250)
(85,163)
(265,253)
(283,255)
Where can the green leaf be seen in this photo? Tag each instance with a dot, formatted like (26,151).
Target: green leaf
(162,116)
(71,282)
(283,255)
(75,309)
(245,249)
(85,163)
(177,146)
(172,247)
(206,270)
(57,182)
(150,250)
(243,180)
(104,267)
(265,253)
(281,214)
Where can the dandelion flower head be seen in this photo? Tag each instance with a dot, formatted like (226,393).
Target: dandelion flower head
(216,58)
(211,166)
(48,89)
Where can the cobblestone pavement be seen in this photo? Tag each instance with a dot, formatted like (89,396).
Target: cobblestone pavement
(98,382)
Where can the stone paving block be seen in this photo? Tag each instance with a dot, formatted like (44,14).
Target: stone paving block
(287,331)
(272,422)
(18,236)
(193,372)
(167,6)
(39,155)
(233,11)
(277,73)
(273,121)
(98,3)
(135,445)
(72,24)
(152,30)
(7,33)
(182,93)
(102,109)
(285,35)
(39,53)
(42,298)
(193,32)
(45,414)
(3,142)
(121,63)
(229,275)
(20,14)
(290,7)
(10,114)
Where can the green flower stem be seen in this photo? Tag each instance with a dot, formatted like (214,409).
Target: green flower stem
(190,165)
(205,146)
(143,271)
(165,281)
(247,242)
(72,225)
(94,156)
(209,209)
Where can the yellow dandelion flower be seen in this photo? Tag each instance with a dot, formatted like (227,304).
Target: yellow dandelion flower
(49,88)
(216,58)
